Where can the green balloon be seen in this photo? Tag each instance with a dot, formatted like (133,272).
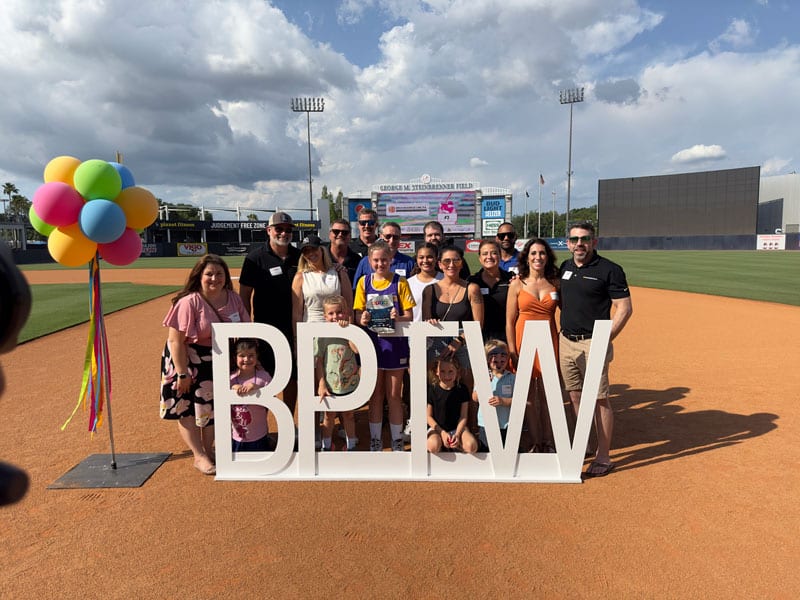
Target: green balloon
(97,179)
(39,225)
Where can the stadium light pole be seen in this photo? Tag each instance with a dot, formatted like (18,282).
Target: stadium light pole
(308,105)
(570,96)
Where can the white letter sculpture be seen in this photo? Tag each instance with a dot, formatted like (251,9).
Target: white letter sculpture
(501,463)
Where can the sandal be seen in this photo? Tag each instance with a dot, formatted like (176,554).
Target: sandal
(598,469)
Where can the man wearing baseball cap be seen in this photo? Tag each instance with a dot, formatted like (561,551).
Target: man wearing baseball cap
(265,285)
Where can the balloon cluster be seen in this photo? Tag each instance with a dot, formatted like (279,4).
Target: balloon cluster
(91,207)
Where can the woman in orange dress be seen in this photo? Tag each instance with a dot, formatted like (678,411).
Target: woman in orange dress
(534,295)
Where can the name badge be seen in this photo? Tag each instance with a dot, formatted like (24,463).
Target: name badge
(485,291)
(276,271)
(234,317)
(506,391)
(401,272)
(566,275)
(554,295)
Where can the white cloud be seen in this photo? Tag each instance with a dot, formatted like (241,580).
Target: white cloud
(614,31)
(699,153)
(350,12)
(476,162)
(773,166)
(739,34)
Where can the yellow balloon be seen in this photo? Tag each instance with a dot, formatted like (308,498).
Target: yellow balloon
(69,247)
(61,168)
(139,205)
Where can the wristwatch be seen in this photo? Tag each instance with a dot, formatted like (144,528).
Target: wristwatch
(182,375)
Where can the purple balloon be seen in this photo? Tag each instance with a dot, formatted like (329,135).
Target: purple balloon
(57,203)
(102,221)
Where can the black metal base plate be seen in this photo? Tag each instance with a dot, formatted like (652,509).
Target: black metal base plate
(95,471)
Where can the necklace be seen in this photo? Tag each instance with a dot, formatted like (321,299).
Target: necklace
(452,301)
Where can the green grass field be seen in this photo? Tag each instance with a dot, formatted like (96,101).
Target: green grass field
(766,276)
(58,306)
(752,275)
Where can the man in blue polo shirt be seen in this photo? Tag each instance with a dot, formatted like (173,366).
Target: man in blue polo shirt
(590,286)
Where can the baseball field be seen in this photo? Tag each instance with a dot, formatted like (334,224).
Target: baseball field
(702,504)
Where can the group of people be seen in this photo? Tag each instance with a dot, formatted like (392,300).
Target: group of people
(368,282)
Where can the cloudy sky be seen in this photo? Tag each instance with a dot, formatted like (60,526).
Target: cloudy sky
(195,93)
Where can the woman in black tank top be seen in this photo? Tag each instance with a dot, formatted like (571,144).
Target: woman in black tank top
(452,299)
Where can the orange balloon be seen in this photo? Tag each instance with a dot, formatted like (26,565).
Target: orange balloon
(61,168)
(139,205)
(69,247)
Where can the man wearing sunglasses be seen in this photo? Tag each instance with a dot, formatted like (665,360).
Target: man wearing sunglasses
(506,237)
(367,228)
(401,263)
(265,285)
(341,253)
(590,286)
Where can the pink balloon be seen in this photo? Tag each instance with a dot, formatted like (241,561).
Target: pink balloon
(124,250)
(57,203)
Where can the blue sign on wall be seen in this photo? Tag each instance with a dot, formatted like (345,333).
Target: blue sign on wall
(493,208)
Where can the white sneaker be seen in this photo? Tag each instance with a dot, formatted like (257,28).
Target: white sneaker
(375,445)
(407,431)
(398,445)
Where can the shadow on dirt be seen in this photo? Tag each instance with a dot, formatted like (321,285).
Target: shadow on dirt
(652,418)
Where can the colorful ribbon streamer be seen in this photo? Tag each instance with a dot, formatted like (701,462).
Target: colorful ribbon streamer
(96,382)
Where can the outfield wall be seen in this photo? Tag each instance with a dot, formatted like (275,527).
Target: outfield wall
(690,242)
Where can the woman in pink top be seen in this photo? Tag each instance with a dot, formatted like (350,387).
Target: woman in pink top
(187,391)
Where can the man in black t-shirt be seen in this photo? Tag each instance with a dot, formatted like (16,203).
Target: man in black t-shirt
(590,286)
(367,231)
(265,285)
(341,253)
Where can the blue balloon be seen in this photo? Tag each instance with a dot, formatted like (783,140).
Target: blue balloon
(125,174)
(102,221)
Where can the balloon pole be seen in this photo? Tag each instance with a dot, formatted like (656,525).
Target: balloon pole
(104,345)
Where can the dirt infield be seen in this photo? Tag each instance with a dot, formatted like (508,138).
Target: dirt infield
(703,503)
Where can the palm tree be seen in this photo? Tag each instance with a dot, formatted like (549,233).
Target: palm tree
(9,189)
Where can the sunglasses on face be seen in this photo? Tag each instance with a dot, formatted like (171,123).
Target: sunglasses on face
(369,223)
(450,261)
(506,235)
(498,354)
(391,236)
(340,232)
(282,229)
(580,238)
